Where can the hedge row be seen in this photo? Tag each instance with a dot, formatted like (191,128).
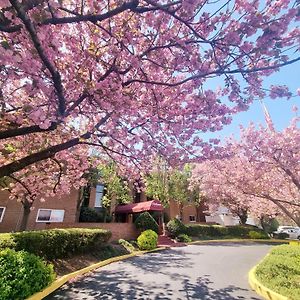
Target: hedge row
(176,227)
(55,243)
(220,231)
(280,271)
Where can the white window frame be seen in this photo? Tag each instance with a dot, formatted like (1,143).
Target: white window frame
(49,221)
(190,218)
(3,212)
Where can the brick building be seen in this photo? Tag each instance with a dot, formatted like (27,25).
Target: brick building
(64,210)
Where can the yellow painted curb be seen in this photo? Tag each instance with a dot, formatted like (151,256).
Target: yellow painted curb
(62,280)
(294,243)
(261,290)
(238,241)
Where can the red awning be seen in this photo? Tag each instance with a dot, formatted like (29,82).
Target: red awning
(153,205)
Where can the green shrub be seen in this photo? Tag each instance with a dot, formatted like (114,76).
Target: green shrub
(22,274)
(218,231)
(269,224)
(90,215)
(145,221)
(127,245)
(147,240)
(176,227)
(183,238)
(257,235)
(108,251)
(280,271)
(207,230)
(55,243)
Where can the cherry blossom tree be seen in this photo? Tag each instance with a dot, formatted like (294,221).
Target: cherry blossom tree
(130,79)
(260,173)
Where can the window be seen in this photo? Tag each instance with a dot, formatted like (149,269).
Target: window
(2,211)
(192,218)
(99,195)
(50,215)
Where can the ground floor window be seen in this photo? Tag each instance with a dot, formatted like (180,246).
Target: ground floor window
(2,211)
(50,215)
(99,195)
(192,218)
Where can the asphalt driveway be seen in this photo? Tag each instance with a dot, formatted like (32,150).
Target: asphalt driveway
(209,272)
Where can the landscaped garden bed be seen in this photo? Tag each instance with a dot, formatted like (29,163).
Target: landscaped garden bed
(280,271)
(46,254)
(207,232)
(30,260)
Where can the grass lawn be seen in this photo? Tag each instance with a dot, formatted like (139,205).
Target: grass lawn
(280,271)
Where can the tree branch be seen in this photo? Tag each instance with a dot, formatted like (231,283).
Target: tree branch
(37,44)
(26,161)
(25,130)
(93,18)
(216,72)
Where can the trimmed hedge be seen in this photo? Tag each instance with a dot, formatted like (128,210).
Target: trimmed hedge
(222,231)
(55,243)
(147,240)
(183,238)
(22,274)
(280,271)
(257,235)
(176,227)
(145,221)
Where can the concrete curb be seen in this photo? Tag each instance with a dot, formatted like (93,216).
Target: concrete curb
(260,289)
(62,280)
(239,241)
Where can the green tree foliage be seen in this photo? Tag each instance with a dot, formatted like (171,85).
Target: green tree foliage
(157,182)
(166,184)
(145,221)
(115,186)
(269,224)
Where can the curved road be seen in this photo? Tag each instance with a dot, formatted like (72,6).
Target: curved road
(216,271)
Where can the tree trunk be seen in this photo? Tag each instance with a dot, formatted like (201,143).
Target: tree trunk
(181,212)
(243,215)
(25,217)
(79,203)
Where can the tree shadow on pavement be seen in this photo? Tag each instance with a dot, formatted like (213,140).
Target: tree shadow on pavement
(158,261)
(125,285)
(204,290)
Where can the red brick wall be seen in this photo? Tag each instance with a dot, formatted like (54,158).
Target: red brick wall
(188,210)
(13,213)
(126,231)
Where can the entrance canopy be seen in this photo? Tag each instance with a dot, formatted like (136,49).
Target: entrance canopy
(153,205)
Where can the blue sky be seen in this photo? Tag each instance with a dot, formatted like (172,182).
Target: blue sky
(279,109)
